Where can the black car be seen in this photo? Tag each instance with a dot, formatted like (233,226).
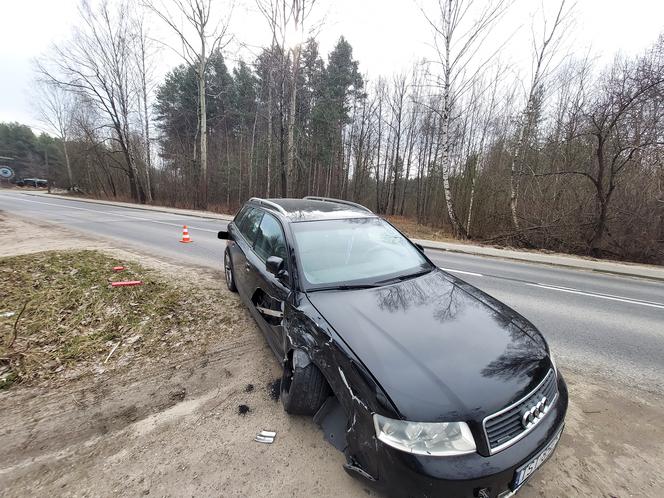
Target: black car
(428,385)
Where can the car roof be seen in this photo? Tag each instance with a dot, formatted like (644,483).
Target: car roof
(314,209)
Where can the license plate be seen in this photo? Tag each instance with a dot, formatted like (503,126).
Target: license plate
(527,469)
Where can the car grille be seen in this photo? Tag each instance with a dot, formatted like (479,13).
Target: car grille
(506,427)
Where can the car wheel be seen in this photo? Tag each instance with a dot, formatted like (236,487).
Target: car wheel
(228,272)
(303,389)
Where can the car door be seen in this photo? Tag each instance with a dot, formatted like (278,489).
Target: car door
(247,226)
(272,292)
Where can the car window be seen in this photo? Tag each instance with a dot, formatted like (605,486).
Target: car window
(240,216)
(270,239)
(249,224)
(366,250)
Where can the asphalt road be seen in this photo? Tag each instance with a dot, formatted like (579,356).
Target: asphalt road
(599,324)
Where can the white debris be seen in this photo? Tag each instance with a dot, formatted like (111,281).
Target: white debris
(8,314)
(266,437)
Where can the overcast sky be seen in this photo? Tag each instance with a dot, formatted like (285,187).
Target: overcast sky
(387,36)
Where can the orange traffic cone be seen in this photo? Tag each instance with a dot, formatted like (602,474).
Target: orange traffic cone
(185,235)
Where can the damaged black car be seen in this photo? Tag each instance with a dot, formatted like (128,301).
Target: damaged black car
(429,386)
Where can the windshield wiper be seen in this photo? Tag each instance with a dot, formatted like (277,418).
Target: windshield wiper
(401,278)
(345,287)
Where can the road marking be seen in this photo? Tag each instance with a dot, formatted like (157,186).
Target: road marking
(117,214)
(451,270)
(598,295)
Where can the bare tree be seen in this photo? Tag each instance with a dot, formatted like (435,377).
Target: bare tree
(618,133)
(209,35)
(144,53)
(461,28)
(55,107)
(544,51)
(96,65)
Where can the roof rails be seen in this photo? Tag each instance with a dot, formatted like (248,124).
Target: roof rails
(338,201)
(270,204)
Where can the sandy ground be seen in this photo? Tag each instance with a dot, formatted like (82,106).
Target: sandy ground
(171,427)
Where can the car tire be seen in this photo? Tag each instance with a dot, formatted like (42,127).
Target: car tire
(228,272)
(303,389)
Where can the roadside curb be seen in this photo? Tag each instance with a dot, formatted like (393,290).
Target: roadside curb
(647,272)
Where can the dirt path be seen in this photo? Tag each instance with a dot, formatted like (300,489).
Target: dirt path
(171,427)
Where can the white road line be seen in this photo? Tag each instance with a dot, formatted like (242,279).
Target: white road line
(461,271)
(117,214)
(610,297)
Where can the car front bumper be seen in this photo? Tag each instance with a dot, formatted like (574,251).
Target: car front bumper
(406,475)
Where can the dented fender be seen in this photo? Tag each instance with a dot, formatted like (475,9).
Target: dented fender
(310,339)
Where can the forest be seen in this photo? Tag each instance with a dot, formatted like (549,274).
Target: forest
(568,158)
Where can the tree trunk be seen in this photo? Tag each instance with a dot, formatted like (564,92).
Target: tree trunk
(282,132)
(203,198)
(447,162)
(148,155)
(251,154)
(602,200)
(70,177)
(290,165)
(269,132)
(524,131)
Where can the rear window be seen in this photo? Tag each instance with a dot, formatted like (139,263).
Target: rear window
(270,239)
(248,224)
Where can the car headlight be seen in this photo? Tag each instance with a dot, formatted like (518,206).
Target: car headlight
(435,439)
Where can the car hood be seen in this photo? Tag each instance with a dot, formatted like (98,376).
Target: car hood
(441,349)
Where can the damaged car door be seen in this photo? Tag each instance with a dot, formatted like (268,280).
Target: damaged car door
(272,278)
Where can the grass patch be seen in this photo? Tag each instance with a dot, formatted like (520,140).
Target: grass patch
(58,314)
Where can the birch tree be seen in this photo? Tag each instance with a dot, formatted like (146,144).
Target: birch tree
(143,68)
(461,28)
(544,48)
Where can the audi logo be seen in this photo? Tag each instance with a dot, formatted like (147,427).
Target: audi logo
(530,415)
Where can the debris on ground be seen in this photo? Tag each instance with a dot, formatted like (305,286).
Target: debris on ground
(112,351)
(266,437)
(127,283)
(274,389)
(249,388)
(243,409)
(178,394)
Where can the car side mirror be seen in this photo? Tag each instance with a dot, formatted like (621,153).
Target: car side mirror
(223,234)
(274,265)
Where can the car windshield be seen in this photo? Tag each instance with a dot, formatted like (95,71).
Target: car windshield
(354,251)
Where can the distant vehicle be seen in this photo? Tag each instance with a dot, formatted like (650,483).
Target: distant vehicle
(32,182)
(434,387)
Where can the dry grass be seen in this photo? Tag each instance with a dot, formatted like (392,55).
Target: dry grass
(60,317)
(416,231)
